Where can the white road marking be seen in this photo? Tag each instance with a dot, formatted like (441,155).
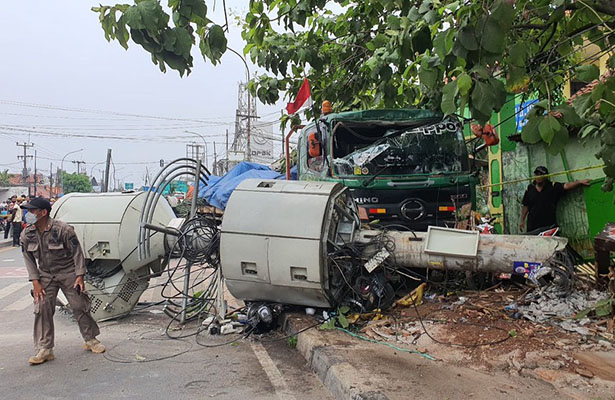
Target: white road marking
(9,260)
(273,373)
(12,288)
(20,304)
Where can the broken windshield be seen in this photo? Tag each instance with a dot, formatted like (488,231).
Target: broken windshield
(373,148)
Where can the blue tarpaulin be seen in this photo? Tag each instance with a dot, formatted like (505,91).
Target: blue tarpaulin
(219,189)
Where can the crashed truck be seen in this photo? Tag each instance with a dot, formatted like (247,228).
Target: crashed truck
(405,167)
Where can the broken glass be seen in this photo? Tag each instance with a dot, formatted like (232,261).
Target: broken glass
(434,148)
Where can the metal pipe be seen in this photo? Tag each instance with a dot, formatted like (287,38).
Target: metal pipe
(151,198)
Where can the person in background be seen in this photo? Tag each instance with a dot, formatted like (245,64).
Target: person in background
(9,220)
(540,200)
(17,220)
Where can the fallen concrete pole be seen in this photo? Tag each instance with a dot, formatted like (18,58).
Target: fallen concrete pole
(495,253)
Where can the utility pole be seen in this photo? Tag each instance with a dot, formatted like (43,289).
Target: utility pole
(226,165)
(107,169)
(50,180)
(215,168)
(35,173)
(25,157)
(78,165)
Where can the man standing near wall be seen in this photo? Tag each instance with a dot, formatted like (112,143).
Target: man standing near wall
(540,200)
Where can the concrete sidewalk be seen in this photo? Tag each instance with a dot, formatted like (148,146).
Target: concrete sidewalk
(351,368)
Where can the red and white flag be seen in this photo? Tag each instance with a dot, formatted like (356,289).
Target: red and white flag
(304,94)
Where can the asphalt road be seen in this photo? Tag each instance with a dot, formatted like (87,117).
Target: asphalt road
(247,369)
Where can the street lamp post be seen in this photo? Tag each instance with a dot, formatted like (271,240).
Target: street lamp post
(245,63)
(62,165)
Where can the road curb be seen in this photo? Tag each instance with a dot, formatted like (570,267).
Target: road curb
(5,244)
(340,378)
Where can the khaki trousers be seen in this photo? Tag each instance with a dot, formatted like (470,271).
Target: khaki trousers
(44,311)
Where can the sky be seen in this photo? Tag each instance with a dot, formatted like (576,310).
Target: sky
(59,75)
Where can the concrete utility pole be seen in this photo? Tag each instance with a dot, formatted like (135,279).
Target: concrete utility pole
(50,180)
(107,169)
(226,164)
(215,168)
(24,174)
(35,173)
(78,165)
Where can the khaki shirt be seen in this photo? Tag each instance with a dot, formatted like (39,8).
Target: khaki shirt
(55,251)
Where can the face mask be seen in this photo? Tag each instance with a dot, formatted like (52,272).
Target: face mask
(31,218)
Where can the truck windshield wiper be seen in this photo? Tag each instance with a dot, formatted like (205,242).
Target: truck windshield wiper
(371,178)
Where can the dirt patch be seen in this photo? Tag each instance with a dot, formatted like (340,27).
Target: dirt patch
(483,330)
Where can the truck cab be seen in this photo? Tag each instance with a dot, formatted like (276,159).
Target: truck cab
(406,168)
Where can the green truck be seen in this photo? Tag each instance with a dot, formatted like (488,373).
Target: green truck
(404,167)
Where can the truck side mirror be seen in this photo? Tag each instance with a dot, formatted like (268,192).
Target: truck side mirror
(314,149)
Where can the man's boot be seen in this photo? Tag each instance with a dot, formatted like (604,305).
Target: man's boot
(41,356)
(94,346)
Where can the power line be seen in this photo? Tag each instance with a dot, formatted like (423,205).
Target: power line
(95,111)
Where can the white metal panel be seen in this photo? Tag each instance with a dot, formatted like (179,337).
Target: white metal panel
(295,262)
(453,242)
(245,257)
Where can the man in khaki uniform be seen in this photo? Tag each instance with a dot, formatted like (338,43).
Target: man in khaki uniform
(54,260)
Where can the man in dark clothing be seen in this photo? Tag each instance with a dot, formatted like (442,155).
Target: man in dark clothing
(540,200)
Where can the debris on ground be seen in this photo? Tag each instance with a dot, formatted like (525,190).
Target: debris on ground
(548,306)
(499,329)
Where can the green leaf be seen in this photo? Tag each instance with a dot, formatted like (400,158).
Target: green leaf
(583,104)
(587,130)
(464,83)
(493,38)
(428,76)
(548,127)
(183,43)
(421,40)
(329,325)
(587,73)
(517,54)
(529,132)
(443,43)
(569,115)
(146,14)
(503,13)
(344,309)
(482,98)
(559,142)
(213,44)
(467,38)
(343,321)
(449,93)
(582,314)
